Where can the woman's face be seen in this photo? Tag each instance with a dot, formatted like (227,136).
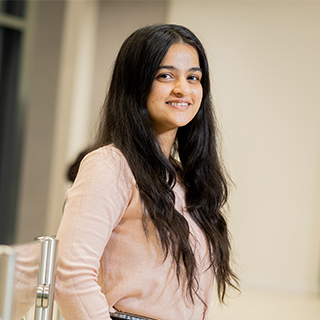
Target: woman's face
(176,93)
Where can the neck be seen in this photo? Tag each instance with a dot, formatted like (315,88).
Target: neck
(166,140)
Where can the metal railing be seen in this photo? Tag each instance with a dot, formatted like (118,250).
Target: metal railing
(27,277)
(46,279)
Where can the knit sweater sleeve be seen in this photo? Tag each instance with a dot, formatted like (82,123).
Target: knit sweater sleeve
(94,206)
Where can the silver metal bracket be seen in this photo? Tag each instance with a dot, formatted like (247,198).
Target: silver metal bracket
(43,292)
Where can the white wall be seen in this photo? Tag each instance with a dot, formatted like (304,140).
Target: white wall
(265,64)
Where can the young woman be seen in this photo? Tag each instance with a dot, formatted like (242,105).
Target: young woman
(143,230)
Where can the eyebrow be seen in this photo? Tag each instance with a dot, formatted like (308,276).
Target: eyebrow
(174,68)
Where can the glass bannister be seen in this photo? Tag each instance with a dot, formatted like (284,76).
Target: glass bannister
(27,275)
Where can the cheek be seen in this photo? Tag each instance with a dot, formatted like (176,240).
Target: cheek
(153,96)
(150,101)
(199,95)
(157,97)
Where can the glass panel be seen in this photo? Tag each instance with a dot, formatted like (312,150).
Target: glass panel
(19,269)
(10,135)
(14,7)
(7,263)
(26,278)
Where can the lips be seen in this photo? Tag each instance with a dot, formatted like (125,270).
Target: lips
(179,104)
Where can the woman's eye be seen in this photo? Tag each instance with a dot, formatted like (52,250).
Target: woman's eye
(164,76)
(194,78)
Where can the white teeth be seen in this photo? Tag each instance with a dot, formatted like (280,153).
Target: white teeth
(178,104)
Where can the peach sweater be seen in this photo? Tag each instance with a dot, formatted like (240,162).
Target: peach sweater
(106,261)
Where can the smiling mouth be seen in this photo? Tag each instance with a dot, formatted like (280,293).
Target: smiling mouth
(176,104)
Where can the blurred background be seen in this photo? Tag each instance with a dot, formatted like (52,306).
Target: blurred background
(55,60)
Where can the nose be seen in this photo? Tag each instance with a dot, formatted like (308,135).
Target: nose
(181,87)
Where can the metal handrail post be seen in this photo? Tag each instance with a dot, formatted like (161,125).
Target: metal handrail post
(46,279)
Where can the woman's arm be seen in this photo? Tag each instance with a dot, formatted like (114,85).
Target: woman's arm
(94,206)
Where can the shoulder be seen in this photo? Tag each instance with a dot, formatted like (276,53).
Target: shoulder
(107,160)
(109,155)
(107,151)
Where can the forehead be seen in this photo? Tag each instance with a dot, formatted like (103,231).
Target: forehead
(181,55)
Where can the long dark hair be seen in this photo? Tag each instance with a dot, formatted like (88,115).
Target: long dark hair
(126,124)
